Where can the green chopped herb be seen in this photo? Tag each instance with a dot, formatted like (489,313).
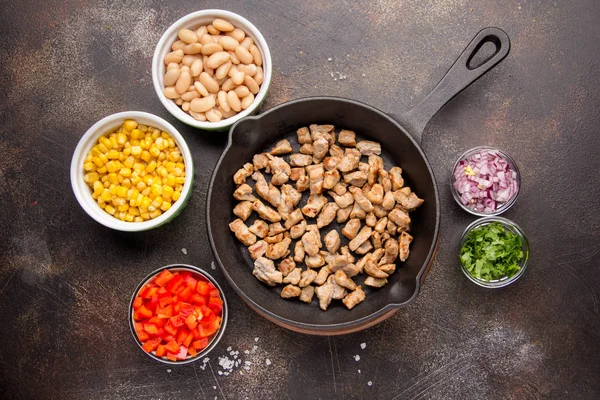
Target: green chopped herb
(491,252)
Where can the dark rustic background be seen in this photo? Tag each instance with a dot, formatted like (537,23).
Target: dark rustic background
(65,281)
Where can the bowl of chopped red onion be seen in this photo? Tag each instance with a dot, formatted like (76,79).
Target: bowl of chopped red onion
(485,181)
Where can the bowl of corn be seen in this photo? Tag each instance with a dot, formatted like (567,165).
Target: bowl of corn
(132,171)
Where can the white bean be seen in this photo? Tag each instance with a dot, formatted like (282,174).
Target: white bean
(234,101)
(242,91)
(183,83)
(259,76)
(188,36)
(234,58)
(179,44)
(209,83)
(214,115)
(174,56)
(171,76)
(178,102)
(211,48)
(228,43)
(201,31)
(222,96)
(202,105)
(172,65)
(256,55)
(252,85)
(223,69)
(194,48)
(227,114)
(218,58)
(249,69)
(171,93)
(196,67)
(228,85)
(198,116)
(237,34)
(201,89)
(243,54)
(206,39)
(238,78)
(185,106)
(222,25)
(190,95)
(212,30)
(247,101)
(188,59)
(247,42)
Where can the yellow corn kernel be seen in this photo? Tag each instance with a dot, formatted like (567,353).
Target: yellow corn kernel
(140,185)
(119,201)
(159,143)
(104,140)
(147,192)
(138,219)
(154,151)
(121,139)
(121,179)
(171,142)
(102,205)
(171,180)
(123,207)
(122,191)
(89,166)
(146,156)
(151,166)
(110,209)
(103,158)
(129,218)
(129,162)
(180,165)
(162,171)
(145,203)
(101,170)
(165,205)
(170,166)
(162,156)
(157,201)
(130,124)
(167,192)
(107,184)
(98,188)
(127,150)
(173,156)
(155,134)
(113,178)
(125,172)
(136,151)
(98,162)
(134,211)
(113,155)
(113,189)
(121,215)
(179,188)
(102,147)
(112,166)
(143,128)
(91,177)
(104,178)
(126,183)
(145,215)
(176,195)
(113,142)
(139,199)
(180,180)
(177,172)
(155,213)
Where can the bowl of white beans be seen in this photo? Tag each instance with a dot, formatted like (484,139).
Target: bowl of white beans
(211,68)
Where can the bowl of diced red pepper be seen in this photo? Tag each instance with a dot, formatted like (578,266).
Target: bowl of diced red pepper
(178,314)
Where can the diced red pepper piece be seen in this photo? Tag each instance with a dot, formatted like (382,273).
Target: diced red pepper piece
(143,336)
(163,278)
(203,288)
(159,322)
(142,313)
(177,321)
(169,328)
(182,335)
(161,350)
(149,292)
(164,312)
(191,282)
(185,294)
(138,326)
(197,298)
(186,310)
(192,351)
(174,283)
(151,329)
(196,333)
(200,344)
(215,304)
(209,329)
(172,347)
(214,293)
(151,345)
(137,303)
(152,303)
(172,357)
(163,292)
(182,355)
(165,301)
(188,339)
(191,322)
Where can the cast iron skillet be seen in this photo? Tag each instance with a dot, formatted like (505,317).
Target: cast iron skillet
(399,137)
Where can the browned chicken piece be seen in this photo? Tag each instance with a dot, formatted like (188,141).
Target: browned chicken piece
(391,252)
(314,204)
(324,294)
(344,200)
(315,261)
(242,233)
(307,294)
(377,254)
(290,291)
(330,163)
(361,199)
(406,190)
(376,240)
(385,237)
(287,266)
(375,164)
(265,212)
(356,178)
(331,178)
(300,160)
(388,202)
(316,175)
(310,243)
(258,249)
(293,276)
(357,211)
(297,173)
(274,196)
(410,202)
(351,229)
(336,151)
(375,282)
(363,235)
(364,248)
(244,192)
(280,178)
(339,261)
(264,270)
(375,195)
(396,178)
(400,218)
(372,269)
(381,225)
(299,252)
(260,161)
(281,147)
(279,250)
(350,270)
(327,214)
(277,165)
(364,167)
(405,240)
(298,230)
(303,135)
(391,228)
(346,252)
(360,264)
(261,186)
(343,214)
(303,183)
(243,209)
(322,275)
(307,149)
(384,180)
(290,197)
(343,280)
(260,228)
(314,229)
(388,268)
(367,147)
(276,228)
(274,238)
(347,138)
(240,176)
(338,291)
(320,149)
(349,161)
(332,241)
(307,277)
(371,219)
(317,131)
(354,297)
(293,218)
(379,211)
(340,188)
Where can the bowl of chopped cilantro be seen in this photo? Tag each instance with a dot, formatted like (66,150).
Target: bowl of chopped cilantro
(494,252)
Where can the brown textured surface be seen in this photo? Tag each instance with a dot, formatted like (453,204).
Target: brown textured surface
(65,281)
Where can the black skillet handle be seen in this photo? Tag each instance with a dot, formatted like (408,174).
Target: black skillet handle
(460,75)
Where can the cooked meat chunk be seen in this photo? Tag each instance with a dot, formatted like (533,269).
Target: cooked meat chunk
(322,275)
(340,188)
(400,218)
(299,252)
(375,195)
(379,211)
(293,276)
(274,196)
(371,219)
(363,235)
(339,261)
(361,199)
(260,161)
(324,294)
(317,131)
(282,147)
(376,239)
(320,149)
(307,149)
(343,214)
(314,204)
(240,176)
(375,164)
(310,243)
(357,211)
(276,228)
(289,199)
(307,294)
(259,228)
(290,291)
(243,209)
(303,183)
(316,175)
(391,252)
(349,161)
(375,282)
(293,218)
(343,280)
(364,248)
(315,261)
(336,151)
(356,178)
(396,178)
(300,160)
(331,178)
(327,215)
(307,277)
(377,254)
(287,266)
(303,135)
(360,264)
(261,186)
(338,291)
(391,228)
(344,200)
(381,225)
(242,233)
(405,240)
(244,192)
(347,138)
(279,250)
(353,298)
(332,241)
(258,249)
(350,270)
(351,229)
(280,178)
(297,230)
(330,163)
(384,180)
(387,268)
(277,165)
(264,270)
(367,147)
(265,212)
(388,202)
(274,239)
(364,167)
(385,237)
(372,269)
(408,203)
(297,173)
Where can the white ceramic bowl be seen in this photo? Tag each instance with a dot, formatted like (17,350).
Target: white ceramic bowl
(83,193)
(193,21)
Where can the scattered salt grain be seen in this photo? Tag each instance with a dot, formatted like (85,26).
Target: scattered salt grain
(169,371)
(268,362)
(212,265)
(229,348)
(331,73)
(364,75)
(254,349)
(370,383)
(220,373)
(359,371)
(184,251)
(247,363)
(246,351)
(329,59)
(357,357)
(247,368)
(256,339)
(363,346)
(214,387)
